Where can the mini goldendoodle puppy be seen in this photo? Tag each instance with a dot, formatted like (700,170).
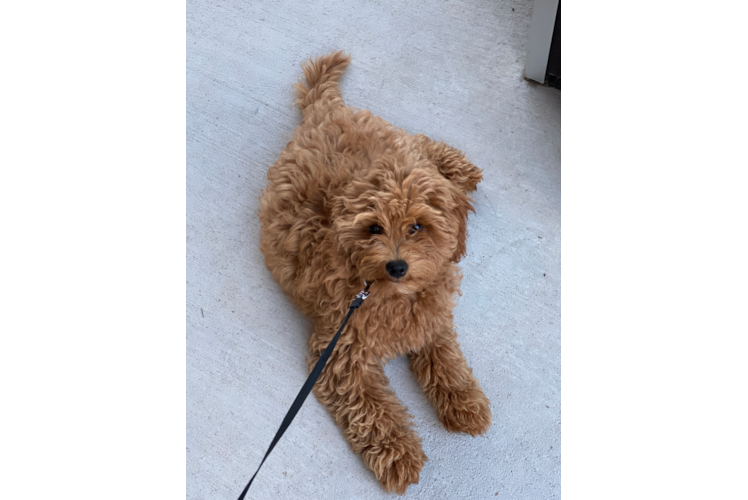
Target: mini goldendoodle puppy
(354,199)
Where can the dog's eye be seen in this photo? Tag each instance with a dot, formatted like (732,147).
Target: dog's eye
(374,229)
(415,228)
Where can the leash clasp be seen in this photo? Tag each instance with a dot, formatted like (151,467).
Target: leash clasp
(361,296)
(365,292)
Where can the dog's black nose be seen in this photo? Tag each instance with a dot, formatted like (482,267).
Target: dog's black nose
(397,268)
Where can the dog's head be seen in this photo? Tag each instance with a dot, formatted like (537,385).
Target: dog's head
(399,226)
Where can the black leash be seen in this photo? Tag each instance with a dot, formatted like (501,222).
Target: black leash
(307,387)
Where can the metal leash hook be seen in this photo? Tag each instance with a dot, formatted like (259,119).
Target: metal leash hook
(361,296)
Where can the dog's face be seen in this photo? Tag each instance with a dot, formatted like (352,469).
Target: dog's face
(400,226)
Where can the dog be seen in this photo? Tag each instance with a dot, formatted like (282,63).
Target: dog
(352,199)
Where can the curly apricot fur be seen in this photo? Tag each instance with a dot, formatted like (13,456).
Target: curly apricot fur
(343,171)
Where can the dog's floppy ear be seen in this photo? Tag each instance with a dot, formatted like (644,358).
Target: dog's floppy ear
(462,207)
(451,163)
(463,175)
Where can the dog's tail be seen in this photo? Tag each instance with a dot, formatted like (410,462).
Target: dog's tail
(322,79)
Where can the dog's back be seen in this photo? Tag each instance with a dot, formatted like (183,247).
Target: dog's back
(293,206)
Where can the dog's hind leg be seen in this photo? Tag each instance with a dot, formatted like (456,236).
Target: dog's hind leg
(373,421)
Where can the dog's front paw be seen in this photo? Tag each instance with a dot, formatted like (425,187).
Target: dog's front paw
(396,464)
(466,411)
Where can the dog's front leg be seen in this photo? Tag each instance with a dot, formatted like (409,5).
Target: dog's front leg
(448,382)
(356,391)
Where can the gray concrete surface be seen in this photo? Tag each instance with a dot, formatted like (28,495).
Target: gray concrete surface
(451,70)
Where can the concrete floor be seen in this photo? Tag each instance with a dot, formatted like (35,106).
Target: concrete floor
(451,70)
